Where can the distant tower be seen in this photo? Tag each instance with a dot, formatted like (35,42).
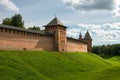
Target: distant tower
(80,36)
(57,28)
(88,39)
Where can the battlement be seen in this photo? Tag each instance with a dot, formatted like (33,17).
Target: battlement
(53,38)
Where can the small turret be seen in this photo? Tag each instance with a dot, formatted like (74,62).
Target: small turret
(88,39)
(80,36)
(87,36)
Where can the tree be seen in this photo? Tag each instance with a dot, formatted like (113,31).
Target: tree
(15,20)
(34,28)
(7,21)
(108,50)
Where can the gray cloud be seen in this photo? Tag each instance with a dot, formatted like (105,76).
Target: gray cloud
(94,5)
(105,31)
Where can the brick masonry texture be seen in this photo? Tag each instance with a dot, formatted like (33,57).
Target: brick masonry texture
(12,41)
(15,41)
(76,46)
(53,38)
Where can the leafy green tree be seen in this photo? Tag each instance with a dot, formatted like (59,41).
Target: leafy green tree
(15,20)
(7,21)
(34,28)
(108,50)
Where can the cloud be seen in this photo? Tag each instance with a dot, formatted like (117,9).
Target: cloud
(73,32)
(9,5)
(113,26)
(94,5)
(107,31)
(89,26)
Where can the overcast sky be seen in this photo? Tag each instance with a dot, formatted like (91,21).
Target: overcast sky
(100,17)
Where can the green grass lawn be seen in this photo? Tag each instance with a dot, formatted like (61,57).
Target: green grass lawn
(43,65)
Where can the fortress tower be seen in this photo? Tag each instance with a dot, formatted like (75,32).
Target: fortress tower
(80,36)
(57,28)
(53,38)
(88,39)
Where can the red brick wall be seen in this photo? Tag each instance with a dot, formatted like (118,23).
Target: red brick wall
(20,40)
(76,46)
(14,41)
(60,36)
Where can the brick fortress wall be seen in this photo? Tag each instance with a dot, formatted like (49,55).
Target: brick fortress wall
(20,40)
(52,39)
(76,46)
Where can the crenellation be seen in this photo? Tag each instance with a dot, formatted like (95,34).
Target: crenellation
(53,38)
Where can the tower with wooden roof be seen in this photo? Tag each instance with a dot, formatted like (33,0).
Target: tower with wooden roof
(88,39)
(57,28)
(80,36)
